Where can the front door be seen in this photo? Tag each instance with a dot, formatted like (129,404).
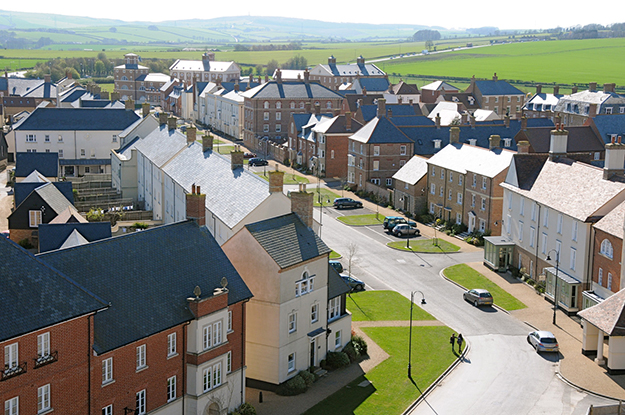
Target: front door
(313,350)
(471,223)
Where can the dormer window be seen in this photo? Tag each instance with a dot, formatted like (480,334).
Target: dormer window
(437,143)
(507,142)
(305,285)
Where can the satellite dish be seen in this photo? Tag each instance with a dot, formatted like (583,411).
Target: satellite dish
(197,291)
(224,282)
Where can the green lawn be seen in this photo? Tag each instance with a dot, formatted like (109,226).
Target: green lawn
(470,279)
(361,220)
(335,255)
(223,149)
(390,391)
(288,178)
(425,245)
(327,196)
(383,306)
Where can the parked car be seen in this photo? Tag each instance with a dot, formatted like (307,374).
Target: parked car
(249,155)
(257,161)
(345,202)
(543,341)
(391,221)
(478,297)
(405,229)
(336,265)
(354,283)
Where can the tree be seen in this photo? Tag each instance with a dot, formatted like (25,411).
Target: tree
(425,34)
(113,29)
(296,62)
(429,45)
(352,249)
(272,65)
(100,68)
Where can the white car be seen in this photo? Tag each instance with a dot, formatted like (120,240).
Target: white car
(543,341)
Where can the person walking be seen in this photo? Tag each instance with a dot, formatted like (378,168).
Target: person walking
(460,341)
(452,340)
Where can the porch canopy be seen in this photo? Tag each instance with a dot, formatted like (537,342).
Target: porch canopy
(497,252)
(608,316)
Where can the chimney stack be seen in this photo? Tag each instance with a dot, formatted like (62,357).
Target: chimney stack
(191,134)
(464,118)
(332,60)
(47,78)
(614,158)
(539,89)
(104,95)
(506,121)
(608,88)
(400,100)
(145,109)
(559,143)
(495,76)
(592,110)
(236,158)
(556,90)
(437,120)
(302,205)
(317,109)
(278,76)
(130,104)
(237,87)
(114,96)
(381,107)
(162,118)
(523,123)
(276,180)
(307,106)
(364,91)
(592,87)
(348,121)
(494,141)
(472,121)
(574,90)
(196,205)
(207,142)
(306,76)
(454,135)
(523,147)
(337,112)
(171,123)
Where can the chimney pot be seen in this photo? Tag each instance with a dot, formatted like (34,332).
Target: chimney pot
(145,108)
(381,107)
(302,205)
(592,86)
(171,123)
(523,147)
(207,142)
(196,206)
(162,118)
(191,134)
(236,158)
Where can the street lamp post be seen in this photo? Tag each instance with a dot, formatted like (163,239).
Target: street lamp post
(410,335)
(555,289)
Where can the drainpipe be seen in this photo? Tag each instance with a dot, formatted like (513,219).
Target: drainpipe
(537,242)
(89,364)
(490,203)
(243,349)
(184,364)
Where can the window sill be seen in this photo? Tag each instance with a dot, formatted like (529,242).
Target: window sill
(108,382)
(142,368)
(45,411)
(171,356)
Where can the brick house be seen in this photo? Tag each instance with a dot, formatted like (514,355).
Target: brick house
(410,186)
(377,151)
(498,96)
(268,107)
(578,107)
(135,81)
(432,91)
(206,70)
(332,76)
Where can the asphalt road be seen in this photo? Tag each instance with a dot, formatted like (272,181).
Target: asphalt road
(502,373)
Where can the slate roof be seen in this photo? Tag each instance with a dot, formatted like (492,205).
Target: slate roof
(412,171)
(20,86)
(231,195)
(576,189)
(402,88)
(44,90)
(490,87)
(53,235)
(74,94)
(440,86)
(288,240)
(23,189)
(371,84)
(463,157)
(580,139)
(609,315)
(526,168)
(161,144)
(542,100)
(369,112)
(352,69)
(147,277)
(463,98)
(83,119)
(35,295)
(380,130)
(612,222)
(607,125)
(336,125)
(45,163)
(291,89)
(336,285)
(53,197)
(202,65)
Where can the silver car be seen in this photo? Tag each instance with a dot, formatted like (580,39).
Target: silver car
(478,297)
(405,229)
(543,341)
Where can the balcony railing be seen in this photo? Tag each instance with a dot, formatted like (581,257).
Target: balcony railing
(46,359)
(8,373)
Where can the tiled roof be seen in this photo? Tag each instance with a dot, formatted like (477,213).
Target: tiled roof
(203,65)
(490,87)
(412,171)
(69,215)
(291,89)
(370,111)
(352,69)
(580,139)
(53,235)
(34,295)
(45,163)
(20,86)
(336,285)
(524,169)
(231,195)
(371,84)
(53,197)
(70,119)
(573,188)
(402,88)
(612,222)
(609,315)
(439,86)
(463,157)
(44,90)
(288,240)
(147,277)
(380,130)
(609,124)
(23,189)
(161,144)
(336,125)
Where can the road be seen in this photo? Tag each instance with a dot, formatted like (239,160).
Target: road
(502,374)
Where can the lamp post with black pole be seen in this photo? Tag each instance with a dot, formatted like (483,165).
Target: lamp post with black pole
(555,289)
(412,293)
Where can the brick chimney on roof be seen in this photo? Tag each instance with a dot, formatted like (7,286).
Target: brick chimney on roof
(472,121)
(559,142)
(506,121)
(524,123)
(236,158)
(494,141)
(614,158)
(162,118)
(207,142)
(191,134)
(592,87)
(539,89)
(302,205)
(129,104)
(381,107)
(556,90)
(306,76)
(523,147)
(308,107)
(196,205)
(609,88)
(278,76)
(437,120)
(237,87)
(145,109)
(495,76)
(171,123)
(348,121)
(574,90)
(454,135)
(317,109)
(276,181)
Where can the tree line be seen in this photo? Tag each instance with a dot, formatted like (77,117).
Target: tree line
(255,48)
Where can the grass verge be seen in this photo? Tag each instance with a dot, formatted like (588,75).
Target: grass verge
(383,306)
(470,279)
(327,196)
(288,178)
(425,246)
(335,255)
(390,391)
(362,220)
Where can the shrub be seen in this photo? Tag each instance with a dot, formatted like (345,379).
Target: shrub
(360,345)
(140,225)
(350,351)
(309,378)
(244,409)
(25,243)
(336,360)
(95,215)
(293,386)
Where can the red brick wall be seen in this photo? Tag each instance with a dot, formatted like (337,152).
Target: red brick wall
(68,376)
(337,166)
(608,265)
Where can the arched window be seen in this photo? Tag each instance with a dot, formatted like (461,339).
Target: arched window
(329,105)
(124,78)
(305,285)
(301,105)
(266,105)
(292,105)
(606,249)
(278,105)
(124,87)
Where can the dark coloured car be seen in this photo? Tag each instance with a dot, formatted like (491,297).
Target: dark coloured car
(346,202)
(405,229)
(336,265)
(257,161)
(478,297)
(391,221)
(354,283)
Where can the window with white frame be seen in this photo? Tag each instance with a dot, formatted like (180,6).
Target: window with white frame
(31,138)
(376,165)
(458,218)
(141,357)
(441,191)
(217,333)
(107,370)
(509,200)
(442,174)
(140,403)
(573,258)
(229,362)
(337,339)
(507,141)
(114,138)
(207,378)
(60,138)
(432,188)
(292,322)
(449,194)
(314,313)
(43,398)
(607,249)
(331,154)
(559,226)
(600,276)
(34,218)
(483,205)
(402,150)
(508,222)
(472,200)
(437,143)
(291,363)
(474,180)
(83,153)
(266,105)
(266,116)
(171,389)
(376,150)
(12,406)
(609,280)
(534,211)
(521,206)
(558,246)
(389,181)
(546,218)
(60,153)
(484,183)
(11,357)
(482,225)
(544,243)
(334,308)
(229,324)
(278,128)
(278,105)
(278,116)
(46,138)
(451,176)
(431,207)
(265,128)
(107,410)
(217,375)
(305,285)
(433,171)
(574,231)
(532,236)
(171,344)
(43,345)
(520,231)
(460,179)
(459,198)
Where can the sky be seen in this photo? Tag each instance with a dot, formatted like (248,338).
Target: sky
(527,14)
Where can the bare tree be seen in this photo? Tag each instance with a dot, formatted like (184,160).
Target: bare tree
(352,249)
